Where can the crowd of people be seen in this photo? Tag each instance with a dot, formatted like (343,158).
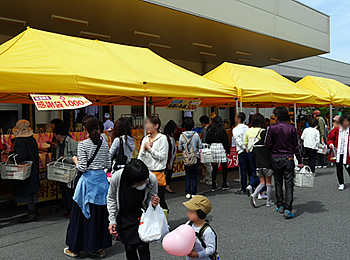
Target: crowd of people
(97,208)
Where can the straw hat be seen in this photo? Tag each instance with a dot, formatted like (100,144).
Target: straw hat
(22,129)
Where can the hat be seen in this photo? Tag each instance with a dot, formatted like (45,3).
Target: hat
(107,115)
(199,202)
(317,112)
(22,129)
(336,118)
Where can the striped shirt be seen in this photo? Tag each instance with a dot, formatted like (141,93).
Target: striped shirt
(86,149)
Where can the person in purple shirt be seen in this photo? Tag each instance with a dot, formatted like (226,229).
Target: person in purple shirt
(282,141)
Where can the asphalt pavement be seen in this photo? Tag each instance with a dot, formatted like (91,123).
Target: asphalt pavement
(320,229)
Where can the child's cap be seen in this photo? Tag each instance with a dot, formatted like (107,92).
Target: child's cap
(199,202)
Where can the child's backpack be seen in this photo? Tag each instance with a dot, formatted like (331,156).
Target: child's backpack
(189,156)
(199,235)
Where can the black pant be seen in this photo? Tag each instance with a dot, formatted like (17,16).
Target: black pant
(168,174)
(214,172)
(161,195)
(142,249)
(340,167)
(283,169)
(321,159)
(67,197)
(312,156)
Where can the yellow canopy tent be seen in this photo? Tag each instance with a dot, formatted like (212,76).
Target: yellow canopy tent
(41,62)
(336,93)
(260,87)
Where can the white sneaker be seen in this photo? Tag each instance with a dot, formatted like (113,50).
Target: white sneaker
(249,190)
(341,187)
(188,196)
(324,167)
(270,204)
(253,201)
(193,196)
(318,167)
(262,197)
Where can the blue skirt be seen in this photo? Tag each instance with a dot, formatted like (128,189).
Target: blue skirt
(88,235)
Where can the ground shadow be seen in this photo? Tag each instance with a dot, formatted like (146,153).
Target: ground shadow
(312,207)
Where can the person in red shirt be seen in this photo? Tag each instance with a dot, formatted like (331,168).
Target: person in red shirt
(338,142)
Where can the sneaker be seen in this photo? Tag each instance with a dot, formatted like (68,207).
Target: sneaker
(288,214)
(28,218)
(209,182)
(262,197)
(214,188)
(69,253)
(253,201)
(249,190)
(341,187)
(192,196)
(240,192)
(270,204)
(280,209)
(203,181)
(100,253)
(225,186)
(188,196)
(324,167)
(318,167)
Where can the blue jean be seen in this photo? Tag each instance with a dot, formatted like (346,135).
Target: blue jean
(247,167)
(192,178)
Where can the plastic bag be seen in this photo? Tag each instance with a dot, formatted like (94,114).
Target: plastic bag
(322,148)
(153,224)
(206,154)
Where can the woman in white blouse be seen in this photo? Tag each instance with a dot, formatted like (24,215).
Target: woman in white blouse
(154,153)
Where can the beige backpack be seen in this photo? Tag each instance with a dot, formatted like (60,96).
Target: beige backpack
(189,156)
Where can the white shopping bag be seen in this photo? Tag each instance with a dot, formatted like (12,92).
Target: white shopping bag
(206,154)
(153,224)
(304,177)
(322,148)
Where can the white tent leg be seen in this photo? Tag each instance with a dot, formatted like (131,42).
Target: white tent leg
(144,114)
(237,109)
(330,116)
(241,107)
(295,115)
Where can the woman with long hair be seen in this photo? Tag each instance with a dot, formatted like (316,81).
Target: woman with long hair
(122,133)
(154,153)
(88,226)
(169,131)
(131,190)
(219,143)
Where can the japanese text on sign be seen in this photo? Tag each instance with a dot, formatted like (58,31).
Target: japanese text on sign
(184,104)
(56,102)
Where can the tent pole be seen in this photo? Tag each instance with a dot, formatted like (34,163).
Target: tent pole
(241,110)
(236,106)
(295,115)
(144,114)
(330,116)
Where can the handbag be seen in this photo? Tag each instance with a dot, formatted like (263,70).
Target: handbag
(79,173)
(252,141)
(153,224)
(120,158)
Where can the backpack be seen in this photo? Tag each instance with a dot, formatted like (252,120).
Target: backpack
(189,156)
(199,235)
(119,158)
(252,141)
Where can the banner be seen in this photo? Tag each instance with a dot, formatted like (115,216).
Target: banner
(57,102)
(184,104)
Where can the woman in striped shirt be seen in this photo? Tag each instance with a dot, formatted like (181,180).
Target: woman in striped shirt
(88,227)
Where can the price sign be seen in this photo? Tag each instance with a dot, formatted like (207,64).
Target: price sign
(57,102)
(184,104)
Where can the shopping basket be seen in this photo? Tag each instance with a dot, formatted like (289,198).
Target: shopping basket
(15,171)
(60,171)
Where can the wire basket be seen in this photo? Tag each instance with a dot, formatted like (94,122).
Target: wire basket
(15,171)
(60,171)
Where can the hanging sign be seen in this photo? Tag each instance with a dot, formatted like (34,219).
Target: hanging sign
(58,102)
(184,104)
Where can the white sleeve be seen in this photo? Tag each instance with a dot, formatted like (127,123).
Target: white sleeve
(209,239)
